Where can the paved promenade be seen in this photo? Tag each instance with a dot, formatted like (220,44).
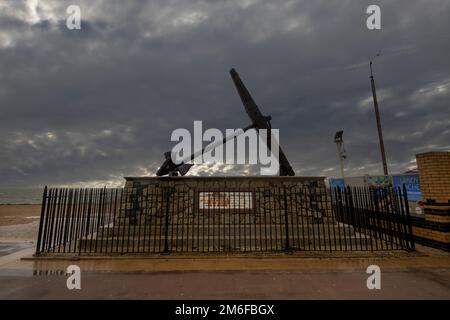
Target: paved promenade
(421,275)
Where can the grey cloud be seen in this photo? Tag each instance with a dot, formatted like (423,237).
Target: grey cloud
(112,93)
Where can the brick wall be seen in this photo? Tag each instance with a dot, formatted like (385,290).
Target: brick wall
(434,172)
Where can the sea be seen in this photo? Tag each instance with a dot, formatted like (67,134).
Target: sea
(21,195)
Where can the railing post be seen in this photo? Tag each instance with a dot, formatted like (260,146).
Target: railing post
(286,221)
(408,217)
(41,221)
(134,213)
(352,208)
(166,227)
(339,205)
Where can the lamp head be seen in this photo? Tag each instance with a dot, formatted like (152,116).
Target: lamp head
(338,136)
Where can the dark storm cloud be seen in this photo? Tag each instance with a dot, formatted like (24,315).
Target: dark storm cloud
(100,103)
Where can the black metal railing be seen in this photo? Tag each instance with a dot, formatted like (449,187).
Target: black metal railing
(380,214)
(157,219)
(70,215)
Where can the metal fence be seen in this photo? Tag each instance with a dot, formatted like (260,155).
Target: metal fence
(71,216)
(171,220)
(378,214)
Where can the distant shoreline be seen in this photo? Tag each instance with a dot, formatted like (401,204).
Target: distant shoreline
(20,196)
(18,214)
(20,204)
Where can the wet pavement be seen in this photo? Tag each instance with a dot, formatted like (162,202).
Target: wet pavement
(253,284)
(9,247)
(421,275)
(424,274)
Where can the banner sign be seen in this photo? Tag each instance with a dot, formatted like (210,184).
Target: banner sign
(412,184)
(337,183)
(225,200)
(379,181)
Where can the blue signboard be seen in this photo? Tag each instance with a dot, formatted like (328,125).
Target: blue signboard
(412,185)
(337,183)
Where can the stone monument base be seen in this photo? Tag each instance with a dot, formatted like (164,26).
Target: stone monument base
(223,182)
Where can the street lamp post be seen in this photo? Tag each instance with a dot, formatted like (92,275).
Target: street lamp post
(377,115)
(338,139)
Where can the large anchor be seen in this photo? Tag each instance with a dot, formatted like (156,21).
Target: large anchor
(259,121)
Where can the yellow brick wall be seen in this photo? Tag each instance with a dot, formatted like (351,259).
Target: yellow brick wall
(440,236)
(437,218)
(434,172)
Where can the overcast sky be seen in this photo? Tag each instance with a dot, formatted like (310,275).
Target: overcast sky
(93,105)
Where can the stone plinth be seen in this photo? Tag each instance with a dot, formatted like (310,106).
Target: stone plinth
(241,193)
(225,182)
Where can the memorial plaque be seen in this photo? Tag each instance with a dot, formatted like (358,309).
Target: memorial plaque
(224,200)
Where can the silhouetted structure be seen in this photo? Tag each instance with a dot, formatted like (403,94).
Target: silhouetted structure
(259,121)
